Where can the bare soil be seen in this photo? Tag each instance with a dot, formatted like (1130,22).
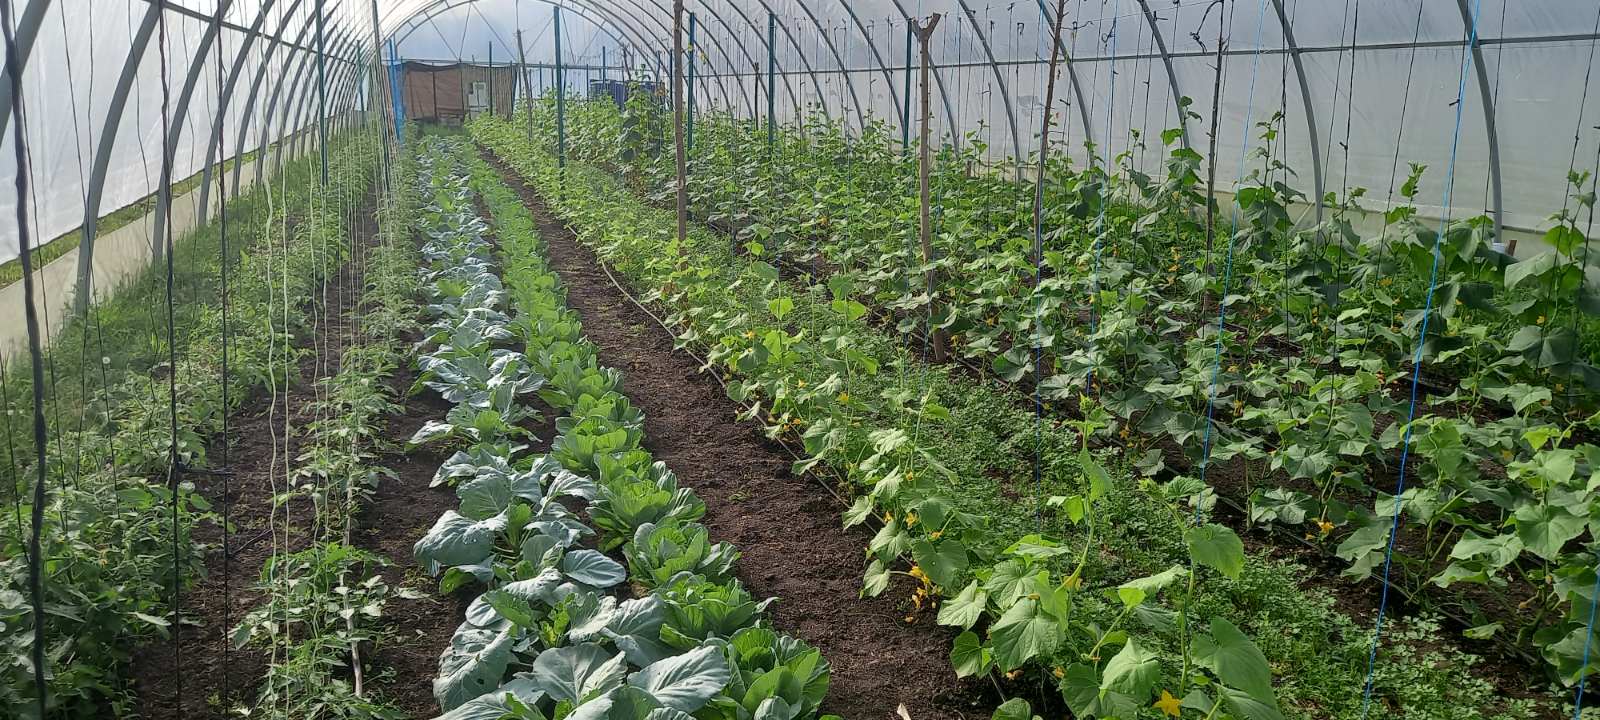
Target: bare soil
(204,675)
(787,527)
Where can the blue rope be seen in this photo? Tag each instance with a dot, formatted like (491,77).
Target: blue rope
(1416,365)
(1227,273)
(1588,640)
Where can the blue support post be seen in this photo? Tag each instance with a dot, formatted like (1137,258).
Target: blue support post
(399,95)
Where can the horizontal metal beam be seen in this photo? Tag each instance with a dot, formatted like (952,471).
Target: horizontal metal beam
(1307,50)
(497,64)
(229,25)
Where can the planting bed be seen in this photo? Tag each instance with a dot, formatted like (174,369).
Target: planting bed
(786,525)
(777,336)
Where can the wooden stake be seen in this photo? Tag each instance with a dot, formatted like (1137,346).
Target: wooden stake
(924,165)
(677,124)
(1044,135)
(1211,153)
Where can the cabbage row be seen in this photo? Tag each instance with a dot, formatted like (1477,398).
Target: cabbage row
(561,628)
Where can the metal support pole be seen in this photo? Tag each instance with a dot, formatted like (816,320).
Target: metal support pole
(322,90)
(561,99)
(527,83)
(1305,99)
(27,31)
(905,116)
(603,63)
(688,137)
(772,82)
(1172,76)
(678,125)
(490,74)
(1493,133)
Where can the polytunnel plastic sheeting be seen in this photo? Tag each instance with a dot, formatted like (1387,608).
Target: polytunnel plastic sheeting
(1374,81)
(71,81)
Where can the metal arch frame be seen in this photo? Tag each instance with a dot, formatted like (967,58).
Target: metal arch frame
(344,83)
(180,109)
(788,87)
(733,70)
(26,33)
(1309,109)
(340,83)
(107,142)
(721,81)
(255,89)
(215,137)
(1072,78)
(342,87)
(268,135)
(849,84)
(1489,126)
(1172,75)
(727,97)
(1005,91)
(413,22)
(188,93)
(938,80)
(805,62)
(347,92)
(290,134)
(734,38)
(728,58)
(639,35)
(883,67)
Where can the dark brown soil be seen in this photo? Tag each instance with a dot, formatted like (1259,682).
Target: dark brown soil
(206,673)
(787,527)
(400,513)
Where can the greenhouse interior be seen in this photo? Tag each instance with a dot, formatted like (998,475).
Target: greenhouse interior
(799,359)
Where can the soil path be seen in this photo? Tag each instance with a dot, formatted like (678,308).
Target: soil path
(402,510)
(205,673)
(787,527)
